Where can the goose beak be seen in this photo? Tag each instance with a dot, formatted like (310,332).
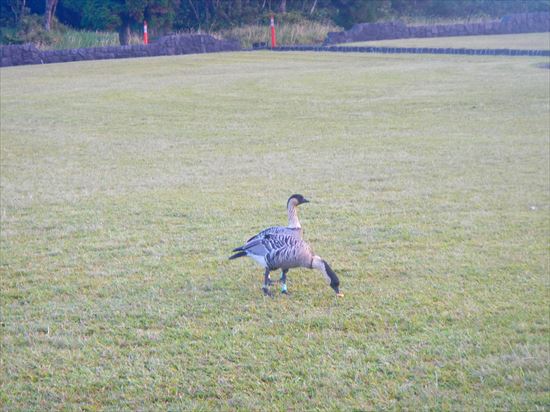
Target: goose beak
(337,290)
(305,200)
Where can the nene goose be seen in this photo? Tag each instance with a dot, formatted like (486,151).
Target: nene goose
(280,247)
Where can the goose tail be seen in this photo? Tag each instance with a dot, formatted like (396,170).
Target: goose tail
(237,255)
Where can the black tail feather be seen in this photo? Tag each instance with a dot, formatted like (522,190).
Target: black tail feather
(237,255)
(237,249)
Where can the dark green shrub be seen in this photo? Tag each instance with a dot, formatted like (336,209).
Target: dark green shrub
(29,29)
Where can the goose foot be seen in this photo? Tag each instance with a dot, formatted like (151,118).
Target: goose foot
(267,292)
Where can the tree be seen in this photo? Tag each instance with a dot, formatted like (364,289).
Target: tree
(210,15)
(17,7)
(49,12)
(122,15)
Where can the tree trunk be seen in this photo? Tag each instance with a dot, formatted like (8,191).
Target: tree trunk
(313,7)
(197,15)
(48,13)
(18,9)
(282,6)
(124,32)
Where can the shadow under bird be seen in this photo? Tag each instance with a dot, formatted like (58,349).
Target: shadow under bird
(284,248)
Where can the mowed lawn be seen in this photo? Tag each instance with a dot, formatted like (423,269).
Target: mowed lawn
(125,185)
(524,41)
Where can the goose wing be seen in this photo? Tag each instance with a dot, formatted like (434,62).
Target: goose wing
(276,230)
(279,250)
(288,251)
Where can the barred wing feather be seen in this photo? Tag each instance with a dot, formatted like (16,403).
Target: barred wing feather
(275,230)
(278,250)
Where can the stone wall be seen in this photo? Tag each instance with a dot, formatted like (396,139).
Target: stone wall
(414,50)
(165,46)
(515,23)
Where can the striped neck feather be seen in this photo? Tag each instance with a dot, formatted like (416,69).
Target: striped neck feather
(293,216)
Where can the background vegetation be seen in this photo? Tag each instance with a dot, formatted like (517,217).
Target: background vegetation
(231,16)
(125,184)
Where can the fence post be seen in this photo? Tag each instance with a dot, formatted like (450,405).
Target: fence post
(273,37)
(145,37)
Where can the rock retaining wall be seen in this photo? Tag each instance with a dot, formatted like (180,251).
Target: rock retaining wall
(414,50)
(515,23)
(165,46)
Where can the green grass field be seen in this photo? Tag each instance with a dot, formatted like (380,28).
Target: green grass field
(526,41)
(126,183)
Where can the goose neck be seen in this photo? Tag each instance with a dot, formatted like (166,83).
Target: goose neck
(293,217)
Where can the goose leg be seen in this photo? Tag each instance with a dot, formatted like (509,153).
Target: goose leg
(283,282)
(265,287)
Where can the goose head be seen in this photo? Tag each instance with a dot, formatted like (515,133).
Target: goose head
(296,200)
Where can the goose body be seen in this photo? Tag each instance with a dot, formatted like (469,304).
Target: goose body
(284,248)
